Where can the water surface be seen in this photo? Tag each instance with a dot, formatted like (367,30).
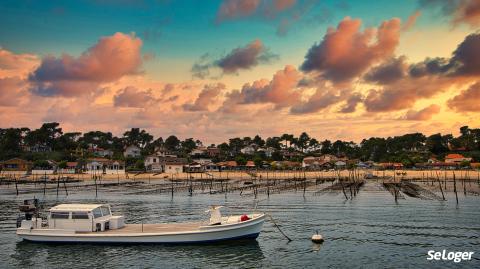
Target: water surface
(370,231)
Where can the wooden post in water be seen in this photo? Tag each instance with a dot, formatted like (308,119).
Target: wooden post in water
(58,185)
(44,183)
(455,186)
(440,185)
(16,183)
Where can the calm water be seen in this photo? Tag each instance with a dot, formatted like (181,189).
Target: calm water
(370,231)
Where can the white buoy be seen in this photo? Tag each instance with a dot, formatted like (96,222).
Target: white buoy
(317,238)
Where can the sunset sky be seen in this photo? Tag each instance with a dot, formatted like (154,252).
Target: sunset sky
(217,69)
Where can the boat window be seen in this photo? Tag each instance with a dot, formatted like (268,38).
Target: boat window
(97,212)
(105,211)
(79,215)
(59,215)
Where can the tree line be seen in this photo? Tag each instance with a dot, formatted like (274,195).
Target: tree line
(64,146)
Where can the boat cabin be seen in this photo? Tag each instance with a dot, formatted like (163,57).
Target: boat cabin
(84,218)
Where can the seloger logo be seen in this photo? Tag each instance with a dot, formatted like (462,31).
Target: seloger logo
(456,256)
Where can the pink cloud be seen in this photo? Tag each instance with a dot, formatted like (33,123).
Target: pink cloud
(206,97)
(346,52)
(110,59)
(422,114)
(11,91)
(232,9)
(467,101)
(281,90)
(133,97)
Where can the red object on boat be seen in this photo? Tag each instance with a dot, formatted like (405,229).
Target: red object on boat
(244,218)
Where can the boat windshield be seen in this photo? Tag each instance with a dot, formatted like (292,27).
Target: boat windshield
(105,210)
(97,212)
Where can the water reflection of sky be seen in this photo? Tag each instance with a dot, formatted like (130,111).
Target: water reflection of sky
(371,230)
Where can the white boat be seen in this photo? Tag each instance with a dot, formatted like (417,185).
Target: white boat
(94,223)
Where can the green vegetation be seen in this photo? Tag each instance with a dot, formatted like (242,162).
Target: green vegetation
(49,142)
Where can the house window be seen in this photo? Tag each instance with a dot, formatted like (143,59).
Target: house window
(154,160)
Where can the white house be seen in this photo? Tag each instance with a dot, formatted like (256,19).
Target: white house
(152,163)
(105,166)
(268,151)
(132,151)
(248,150)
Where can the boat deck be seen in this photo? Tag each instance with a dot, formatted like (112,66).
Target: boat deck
(153,228)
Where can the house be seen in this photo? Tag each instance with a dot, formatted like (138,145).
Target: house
(248,150)
(285,164)
(161,151)
(268,151)
(49,168)
(152,163)
(213,152)
(71,168)
(101,152)
(250,164)
(16,164)
(39,148)
(104,166)
(456,158)
(227,165)
(167,164)
(202,165)
(173,165)
(132,151)
(393,166)
(200,151)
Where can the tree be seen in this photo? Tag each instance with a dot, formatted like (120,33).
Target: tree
(273,142)
(45,135)
(137,137)
(11,140)
(313,144)
(172,143)
(188,145)
(436,144)
(326,147)
(258,161)
(258,141)
(303,140)
(241,160)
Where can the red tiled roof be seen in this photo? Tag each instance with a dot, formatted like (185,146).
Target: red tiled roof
(454,156)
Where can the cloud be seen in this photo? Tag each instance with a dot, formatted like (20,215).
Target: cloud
(351,103)
(460,11)
(11,91)
(298,13)
(423,114)
(412,19)
(206,97)
(110,59)
(133,97)
(390,71)
(245,58)
(321,99)
(346,52)
(236,9)
(12,64)
(233,9)
(467,101)
(404,93)
(280,91)
(465,61)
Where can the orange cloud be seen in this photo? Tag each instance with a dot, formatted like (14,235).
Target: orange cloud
(467,101)
(422,114)
(133,97)
(110,59)
(205,98)
(346,52)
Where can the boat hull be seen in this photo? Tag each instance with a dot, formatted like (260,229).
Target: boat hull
(206,234)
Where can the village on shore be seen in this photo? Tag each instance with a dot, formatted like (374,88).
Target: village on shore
(49,151)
